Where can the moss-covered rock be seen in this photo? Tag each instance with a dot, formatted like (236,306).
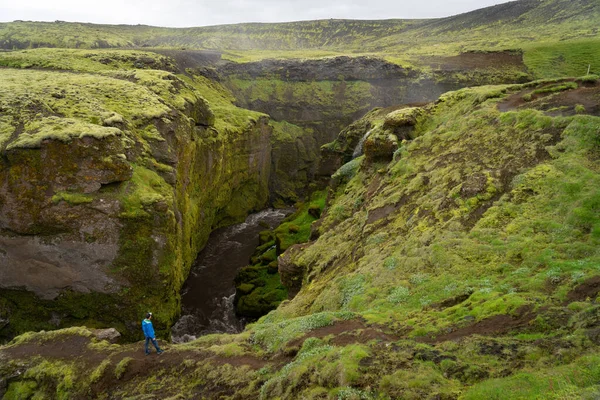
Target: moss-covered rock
(402,117)
(111,182)
(260,287)
(380,145)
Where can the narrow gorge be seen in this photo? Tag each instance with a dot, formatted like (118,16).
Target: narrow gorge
(331,209)
(106,202)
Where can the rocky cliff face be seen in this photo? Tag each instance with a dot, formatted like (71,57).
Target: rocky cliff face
(110,184)
(48,244)
(323,96)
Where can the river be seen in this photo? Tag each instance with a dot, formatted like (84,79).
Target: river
(209,292)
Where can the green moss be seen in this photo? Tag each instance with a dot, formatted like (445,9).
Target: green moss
(63,129)
(99,371)
(94,310)
(296,228)
(121,367)
(72,198)
(338,367)
(347,171)
(144,189)
(579,109)
(229,119)
(265,295)
(20,390)
(274,335)
(56,374)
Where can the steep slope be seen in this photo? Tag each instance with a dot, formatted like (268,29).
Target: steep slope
(456,259)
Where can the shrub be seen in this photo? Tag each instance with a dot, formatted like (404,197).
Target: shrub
(399,295)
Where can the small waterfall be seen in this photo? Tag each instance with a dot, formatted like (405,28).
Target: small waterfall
(222,320)
(359,147)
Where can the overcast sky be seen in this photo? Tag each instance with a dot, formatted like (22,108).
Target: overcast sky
(182,13)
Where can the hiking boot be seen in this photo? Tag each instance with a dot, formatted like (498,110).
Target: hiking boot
(160,352)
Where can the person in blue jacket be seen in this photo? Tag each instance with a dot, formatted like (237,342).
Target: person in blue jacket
(149,334)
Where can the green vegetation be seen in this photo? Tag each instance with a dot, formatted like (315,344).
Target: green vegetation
(463,267)
(273,333)
(72,198)
(54,374)
(327,365)
(458,258)
(557,37)
(85,61)
(121,367)
(90,129)
(100,370)
(577,380)
(557,59)
(258,286)
(296,228)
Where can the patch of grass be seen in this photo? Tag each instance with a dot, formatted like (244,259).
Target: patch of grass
(99,371)
(576,380)
(557,59)
(121,367)
(144,189)
(57,374)
(338,367)
(44,336)
(274,335)
(20,390)
(300,222)
(84,60)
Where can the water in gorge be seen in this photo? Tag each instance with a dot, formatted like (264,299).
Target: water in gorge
(209,292)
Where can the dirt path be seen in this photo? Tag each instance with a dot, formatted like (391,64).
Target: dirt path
(562,103)
(495,325)
(75,348)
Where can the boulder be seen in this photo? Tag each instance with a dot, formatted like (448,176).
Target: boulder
(380,146)
(109,334)
(403,117)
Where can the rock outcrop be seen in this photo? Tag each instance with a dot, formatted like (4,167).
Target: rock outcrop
(105,204)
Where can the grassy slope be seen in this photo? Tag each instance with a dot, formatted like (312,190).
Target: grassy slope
(463,288)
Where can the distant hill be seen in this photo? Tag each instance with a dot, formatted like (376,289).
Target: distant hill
(510,24)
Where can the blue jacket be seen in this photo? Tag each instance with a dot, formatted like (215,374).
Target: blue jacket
(148,328)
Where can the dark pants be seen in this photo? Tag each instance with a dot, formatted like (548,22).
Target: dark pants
(158,350)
